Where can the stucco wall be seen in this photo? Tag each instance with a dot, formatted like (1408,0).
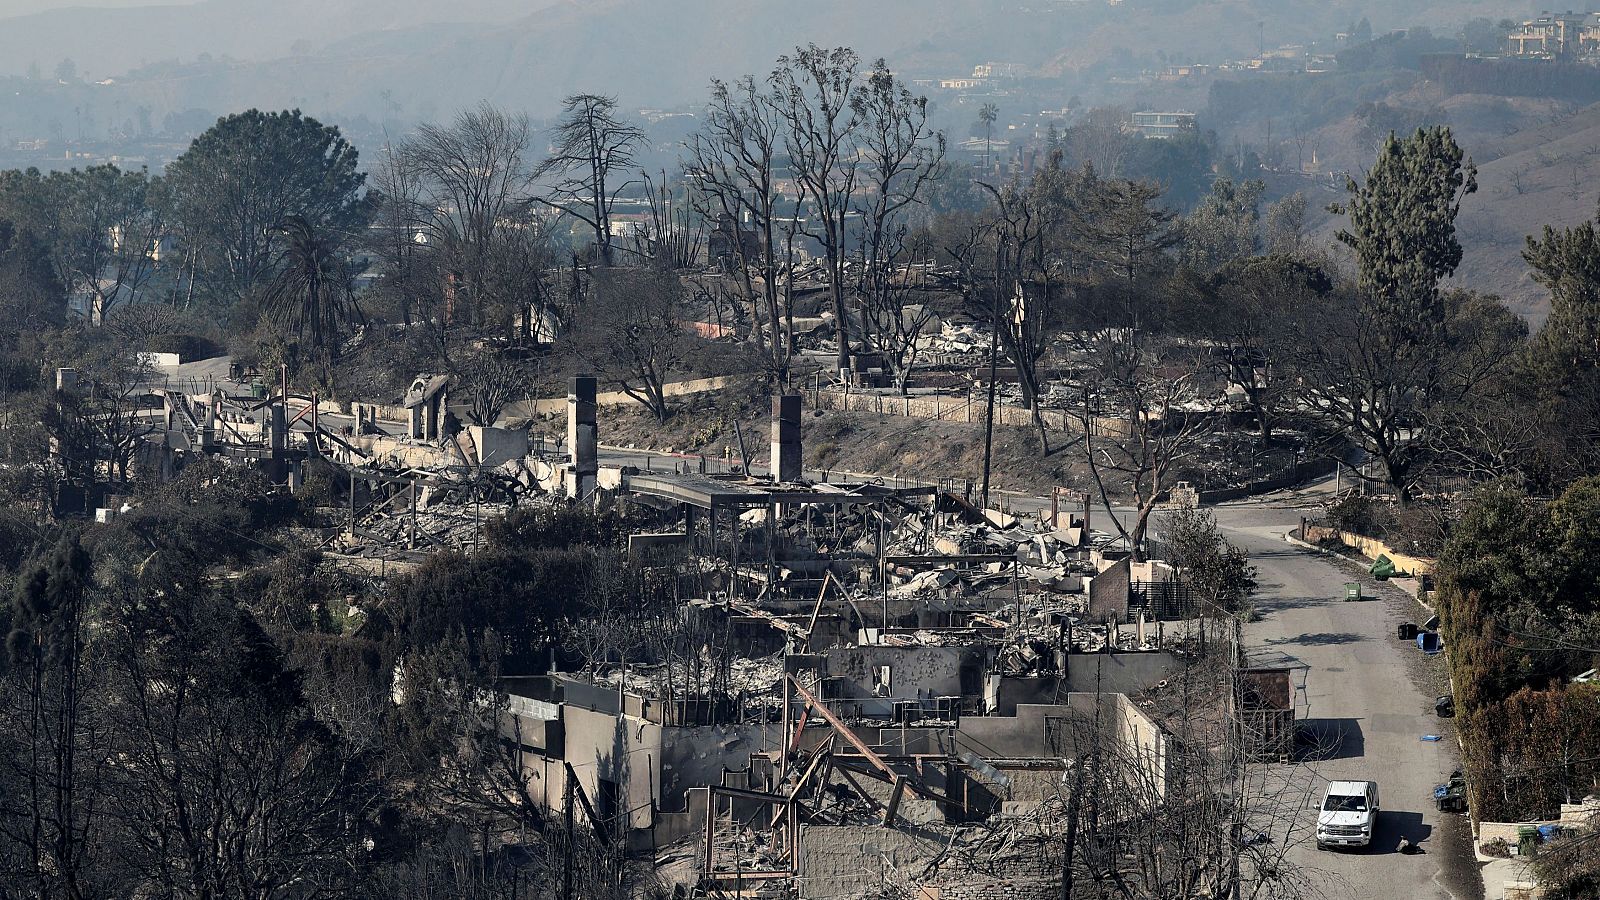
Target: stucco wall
(621,749)
(1371,548)
(1108,593)
(914,672)
(691,757)
(497,446)
(843,861)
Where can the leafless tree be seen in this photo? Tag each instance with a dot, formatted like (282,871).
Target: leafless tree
(1393,402)
(1201,816)
(1300,130)
(1142,414)
(1247,308)
(1139,399)
(1102,139)
(466,183)
(675,237)
(1024,308)
(401,225)
(733,162)
(1036,252)
(593,147)
(491,383)
(899,155)
(816,91)
(634,335)
(1285,225)
(98,426)
(517,293)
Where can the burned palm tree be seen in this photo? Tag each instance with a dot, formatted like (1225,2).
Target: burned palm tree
(311,296)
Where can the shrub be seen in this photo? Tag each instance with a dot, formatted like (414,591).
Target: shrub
(1354,513)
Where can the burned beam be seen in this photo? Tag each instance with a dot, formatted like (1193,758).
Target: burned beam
(841,728)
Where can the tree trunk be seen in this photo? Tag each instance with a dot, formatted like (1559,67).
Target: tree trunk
(1263,423)
(1140,526)
(841,324)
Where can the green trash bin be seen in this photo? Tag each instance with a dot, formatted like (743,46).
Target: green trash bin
(1528,840)
(1352,591)
(1383,568)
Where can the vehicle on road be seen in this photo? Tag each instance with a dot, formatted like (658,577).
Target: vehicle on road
(1349,814)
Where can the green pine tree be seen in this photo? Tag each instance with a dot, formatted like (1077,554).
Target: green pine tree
(1403,232)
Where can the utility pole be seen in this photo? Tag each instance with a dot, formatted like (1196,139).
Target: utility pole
(994,357)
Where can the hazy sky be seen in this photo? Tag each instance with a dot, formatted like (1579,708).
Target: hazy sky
(23,7)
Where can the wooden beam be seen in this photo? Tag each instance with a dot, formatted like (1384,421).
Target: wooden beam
(865,794)
(799,729)
(827,579)
(743,794)
(844,762)
(823,750)
(583,800)
(745,609)
(842,729)
(894,800)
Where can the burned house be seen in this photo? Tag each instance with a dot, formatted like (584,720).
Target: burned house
(873,669)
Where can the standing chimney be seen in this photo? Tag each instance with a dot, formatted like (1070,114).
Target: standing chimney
(786,445)
(208,433)
(583,459)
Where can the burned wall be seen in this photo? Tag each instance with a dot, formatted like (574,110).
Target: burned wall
(913,672)
(1109,592)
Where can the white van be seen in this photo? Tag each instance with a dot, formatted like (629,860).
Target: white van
(1349,814)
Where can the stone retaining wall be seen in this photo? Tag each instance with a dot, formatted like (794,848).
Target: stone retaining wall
(968,409)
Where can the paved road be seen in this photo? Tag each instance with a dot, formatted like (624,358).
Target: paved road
(1359,696)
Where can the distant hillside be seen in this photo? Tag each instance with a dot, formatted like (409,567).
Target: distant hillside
(1549,175)
(1546,172)
(533,51)
(397,61)
(648,53)
(106,40)
(1214,30)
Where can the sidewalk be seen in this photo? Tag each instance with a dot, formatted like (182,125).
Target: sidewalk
(1498,873)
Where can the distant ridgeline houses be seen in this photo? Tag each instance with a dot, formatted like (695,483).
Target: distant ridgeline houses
(1566,35)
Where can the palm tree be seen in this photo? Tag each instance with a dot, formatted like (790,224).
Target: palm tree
(988,114)
(311,294)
